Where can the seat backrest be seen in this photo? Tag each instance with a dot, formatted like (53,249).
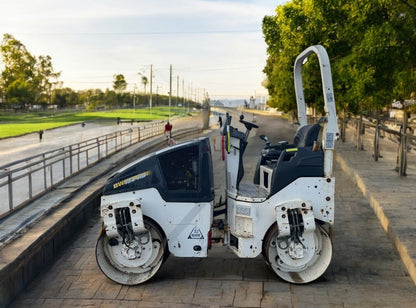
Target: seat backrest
(296,164)
(306,135)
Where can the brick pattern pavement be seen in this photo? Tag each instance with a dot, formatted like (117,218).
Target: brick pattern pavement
(366,271)
(390,195)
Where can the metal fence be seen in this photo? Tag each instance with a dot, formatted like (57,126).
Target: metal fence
(404,137)
(24,180)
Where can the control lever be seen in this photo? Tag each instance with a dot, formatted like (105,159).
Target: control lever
(248,125)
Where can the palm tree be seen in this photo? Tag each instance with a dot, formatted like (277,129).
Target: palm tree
(144,82)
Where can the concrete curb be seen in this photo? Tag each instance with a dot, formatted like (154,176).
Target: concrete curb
(382,217)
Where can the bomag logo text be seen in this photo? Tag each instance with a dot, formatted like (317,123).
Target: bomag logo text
(132,179)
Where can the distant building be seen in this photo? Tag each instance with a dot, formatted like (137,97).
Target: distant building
(216,103)
(252,103)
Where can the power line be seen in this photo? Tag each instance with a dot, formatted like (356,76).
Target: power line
(142,33)
(88,82)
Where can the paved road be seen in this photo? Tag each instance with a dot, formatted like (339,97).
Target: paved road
(365,271)
(16,148)
(28,145)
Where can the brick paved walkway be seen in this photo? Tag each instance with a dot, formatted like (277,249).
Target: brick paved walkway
(366,270)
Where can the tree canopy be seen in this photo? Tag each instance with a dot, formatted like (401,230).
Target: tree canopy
(119,83)
(144,83)
(25,78)
(370,45)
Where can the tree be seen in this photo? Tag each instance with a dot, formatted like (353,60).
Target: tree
(119,85)
(64,97)
(370,45)
(17,77)
(144,83)
(283,35)
(110,98)
(378,54)
(20,93)
(25,79)
(45,78)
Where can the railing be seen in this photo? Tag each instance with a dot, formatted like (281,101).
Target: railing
(403,137)
(24,180)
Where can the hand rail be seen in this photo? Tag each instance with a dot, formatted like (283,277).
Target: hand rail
(402,137)
(55,166)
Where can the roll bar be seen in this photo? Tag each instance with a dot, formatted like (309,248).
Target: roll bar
(330,132)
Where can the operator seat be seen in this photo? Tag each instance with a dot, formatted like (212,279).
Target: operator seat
(298,161)
(306,135)
(304,163)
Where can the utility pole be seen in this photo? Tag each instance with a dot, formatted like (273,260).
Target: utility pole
(177,90)
(183,95)
(134,99)
(170,89)
(151,78)
(189,95)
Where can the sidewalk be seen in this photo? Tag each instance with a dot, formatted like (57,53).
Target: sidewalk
(391,196)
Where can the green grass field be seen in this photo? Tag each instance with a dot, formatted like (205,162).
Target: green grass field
(23,123)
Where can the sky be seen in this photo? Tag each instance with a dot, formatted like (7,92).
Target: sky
(214,46)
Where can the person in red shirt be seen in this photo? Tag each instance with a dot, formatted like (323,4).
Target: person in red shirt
(168,129)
